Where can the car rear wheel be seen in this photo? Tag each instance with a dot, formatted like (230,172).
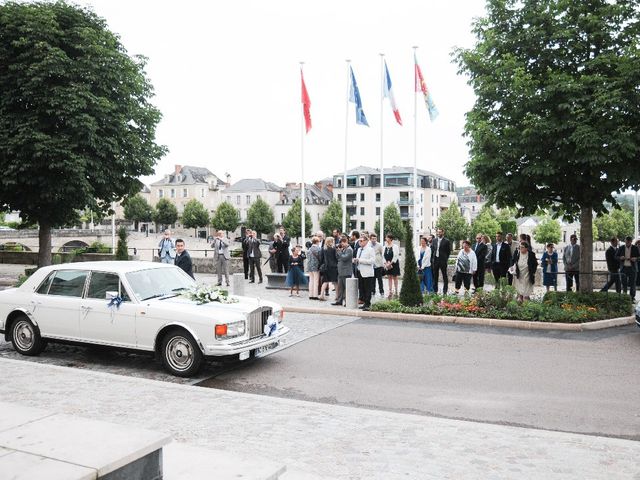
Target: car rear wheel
(180,353)
(25,337)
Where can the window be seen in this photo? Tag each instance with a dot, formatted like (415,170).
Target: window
(362,183)
(202,193)
(185,193)
(173,193)
(282,216)
(361,210)
(339,183)
(351,197)
(361,225)
(362,197)
(377,197)
(228,199)
(339,197)
(160,193)
(378,211)
(248,199)
(237,199)
(102,282)
(396,181)
(258,197)
(351,181)
(68,283)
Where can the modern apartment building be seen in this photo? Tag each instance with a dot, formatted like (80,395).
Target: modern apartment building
(365,201)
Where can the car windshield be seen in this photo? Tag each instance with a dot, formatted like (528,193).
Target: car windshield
(158,282)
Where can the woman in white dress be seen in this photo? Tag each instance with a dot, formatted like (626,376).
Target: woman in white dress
(526,264)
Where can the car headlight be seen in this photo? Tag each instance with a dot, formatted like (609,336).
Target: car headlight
(230,330)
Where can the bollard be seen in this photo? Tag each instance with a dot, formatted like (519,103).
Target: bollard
(351,294)
(237,284)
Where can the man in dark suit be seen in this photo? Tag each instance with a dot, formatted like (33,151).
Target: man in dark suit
(282,254)
(183,259)
(480,249)
(440,252)
(254,255)
(628,255)
(613,266)
(500,259)
(245,253)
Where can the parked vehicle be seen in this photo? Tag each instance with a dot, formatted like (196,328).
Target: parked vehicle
(137,306)
(638,314)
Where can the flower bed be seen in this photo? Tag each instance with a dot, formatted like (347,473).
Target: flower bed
(558,307)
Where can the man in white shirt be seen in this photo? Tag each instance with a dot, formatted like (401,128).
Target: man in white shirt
(378,266)
(364,262)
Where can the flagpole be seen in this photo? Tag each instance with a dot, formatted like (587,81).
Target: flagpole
(302,132)
(382,80)
(415,154)
(346,153)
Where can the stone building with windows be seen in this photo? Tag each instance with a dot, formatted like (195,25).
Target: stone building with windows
(364,202)
(185,184)
(317,197)
(246,191)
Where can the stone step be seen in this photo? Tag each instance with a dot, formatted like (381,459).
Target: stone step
(295,474)
(182,461)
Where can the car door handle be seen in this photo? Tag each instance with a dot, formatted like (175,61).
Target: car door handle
(83,307)
(33,302)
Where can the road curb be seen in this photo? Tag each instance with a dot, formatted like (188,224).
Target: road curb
(487,322)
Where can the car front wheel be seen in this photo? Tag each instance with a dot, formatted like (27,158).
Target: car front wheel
(181,356)
(25,337)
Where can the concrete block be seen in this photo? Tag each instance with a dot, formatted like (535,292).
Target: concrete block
(27,466)
(237,284)
(351,296)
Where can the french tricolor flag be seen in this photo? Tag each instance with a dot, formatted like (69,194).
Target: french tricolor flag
(387,91)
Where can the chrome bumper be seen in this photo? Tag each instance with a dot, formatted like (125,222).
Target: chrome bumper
(220,350)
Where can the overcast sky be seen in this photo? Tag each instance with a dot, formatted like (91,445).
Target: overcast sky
(226,78)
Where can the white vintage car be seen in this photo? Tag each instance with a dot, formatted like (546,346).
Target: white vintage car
(138,306)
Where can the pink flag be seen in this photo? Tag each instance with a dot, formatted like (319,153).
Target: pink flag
(306,104)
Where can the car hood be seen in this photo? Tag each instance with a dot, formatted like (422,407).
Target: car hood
(183,305)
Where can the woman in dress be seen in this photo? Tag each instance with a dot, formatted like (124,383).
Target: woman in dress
(313,267)
(526,264)
(391,264)
(549,262)
(295,275)
(466,265)
(329,267)
(424,267)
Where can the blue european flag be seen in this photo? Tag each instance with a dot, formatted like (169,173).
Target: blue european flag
(354,96)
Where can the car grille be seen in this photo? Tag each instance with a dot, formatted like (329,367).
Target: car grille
(257,321)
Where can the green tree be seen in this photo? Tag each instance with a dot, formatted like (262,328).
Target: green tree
(226,217)
(195,215)
(137,209)
(393,223)
(260,217)
(291,221)
(166,212)
(410,295)
(122,252)
(485,223)
(454,224)
(76,125)
(555,123)
(617,223)
(332,218)
(547,231)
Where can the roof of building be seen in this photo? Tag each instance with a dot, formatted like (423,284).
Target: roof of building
(253,185)
(395,170)
(312,195)
(189,175)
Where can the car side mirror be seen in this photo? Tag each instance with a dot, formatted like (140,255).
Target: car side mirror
(111,295)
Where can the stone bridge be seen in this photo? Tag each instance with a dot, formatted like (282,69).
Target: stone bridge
(59,238)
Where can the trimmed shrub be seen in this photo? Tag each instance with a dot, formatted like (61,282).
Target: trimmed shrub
(410,294)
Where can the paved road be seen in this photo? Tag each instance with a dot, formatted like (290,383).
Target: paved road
(577,382)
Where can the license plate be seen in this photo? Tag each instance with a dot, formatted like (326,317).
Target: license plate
(262,351)
(245,355)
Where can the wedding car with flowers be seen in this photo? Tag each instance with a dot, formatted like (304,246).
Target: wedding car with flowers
(139,306)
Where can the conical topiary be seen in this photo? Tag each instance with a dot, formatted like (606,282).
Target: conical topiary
(122,252)
(410,295)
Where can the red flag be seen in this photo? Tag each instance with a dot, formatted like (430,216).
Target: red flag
(306,104)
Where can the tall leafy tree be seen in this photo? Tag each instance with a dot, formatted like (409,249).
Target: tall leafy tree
(76,125)
(617,223)
(332,218)
(555,123)
(393,223)
(226,217)
(260,217)
(166,212)
(195,215)
(453,223)
(291,221)
(548,231)
(485,223)
(137,209)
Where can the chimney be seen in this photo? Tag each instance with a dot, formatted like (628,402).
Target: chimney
(330,187)
(228,177)
(177,169)
(318,185)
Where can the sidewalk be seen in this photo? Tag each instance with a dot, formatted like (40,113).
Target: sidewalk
(325,440)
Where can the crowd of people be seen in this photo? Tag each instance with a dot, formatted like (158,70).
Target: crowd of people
(329,261)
